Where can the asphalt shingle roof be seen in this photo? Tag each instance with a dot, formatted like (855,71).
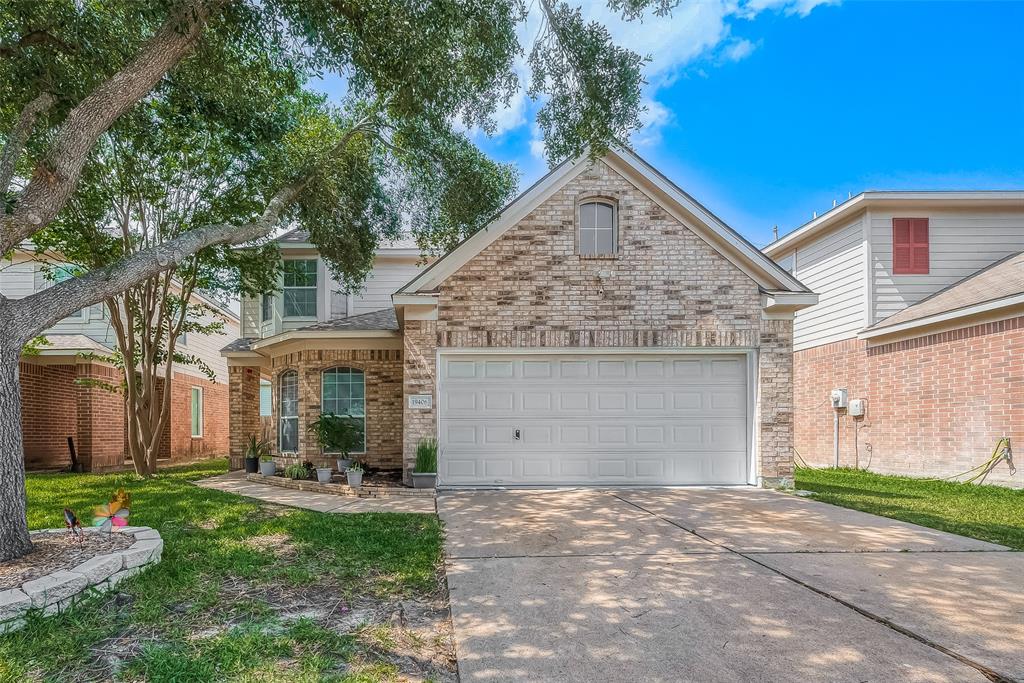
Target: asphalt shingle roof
(1002,279)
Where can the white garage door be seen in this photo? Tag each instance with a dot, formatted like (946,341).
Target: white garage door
(592,419)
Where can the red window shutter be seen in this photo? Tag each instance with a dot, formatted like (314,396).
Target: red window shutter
(902,258)
(919,245)
(910,246)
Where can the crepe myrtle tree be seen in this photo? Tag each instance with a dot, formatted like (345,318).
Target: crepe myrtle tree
(351,175)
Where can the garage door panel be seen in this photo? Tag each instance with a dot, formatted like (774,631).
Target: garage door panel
(595,419)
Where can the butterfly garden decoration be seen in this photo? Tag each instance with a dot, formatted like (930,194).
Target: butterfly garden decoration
(115,513)
(71,523)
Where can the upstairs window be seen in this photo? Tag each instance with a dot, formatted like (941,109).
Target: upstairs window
(597,229)
(910,246)
(300,288)
(267,308)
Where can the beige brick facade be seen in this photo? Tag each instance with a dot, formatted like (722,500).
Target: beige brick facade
(383,373)
(666,288)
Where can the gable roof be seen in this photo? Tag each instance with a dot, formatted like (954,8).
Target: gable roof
(831,218)
(702,222)
(996,286)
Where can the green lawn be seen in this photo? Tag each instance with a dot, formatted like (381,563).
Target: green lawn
(991,513)
(246,591)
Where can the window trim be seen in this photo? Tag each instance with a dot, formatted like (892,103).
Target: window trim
(614,206)
(196,415)
(281,417)
(350,369)
(315,287)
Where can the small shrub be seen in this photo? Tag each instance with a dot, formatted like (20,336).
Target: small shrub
(256,447)
(296,471)
(338,433)
(426,457)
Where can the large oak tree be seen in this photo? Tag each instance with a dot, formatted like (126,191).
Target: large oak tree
(390,155)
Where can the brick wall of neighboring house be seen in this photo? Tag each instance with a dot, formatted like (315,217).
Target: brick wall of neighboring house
(178,442)
(244,416)
(936,405)
(49,414)
(101,419)
(383,391)
(666,288)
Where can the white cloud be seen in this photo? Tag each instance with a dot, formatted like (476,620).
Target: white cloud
(738,50)
(655,117)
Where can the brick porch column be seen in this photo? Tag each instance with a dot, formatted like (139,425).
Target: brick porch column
(420,378)
(243,410)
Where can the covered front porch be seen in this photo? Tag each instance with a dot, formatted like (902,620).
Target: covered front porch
(351,366)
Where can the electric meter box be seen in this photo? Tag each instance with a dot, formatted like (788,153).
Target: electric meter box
(838,397)
(857,407)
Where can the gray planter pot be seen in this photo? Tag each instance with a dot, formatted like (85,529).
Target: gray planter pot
(323,475)
(424,480)
(355,479)
(343,464)
(268,468)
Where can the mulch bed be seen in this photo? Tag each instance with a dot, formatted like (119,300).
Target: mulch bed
(52,552)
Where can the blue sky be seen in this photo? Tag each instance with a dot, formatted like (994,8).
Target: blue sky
(767,110)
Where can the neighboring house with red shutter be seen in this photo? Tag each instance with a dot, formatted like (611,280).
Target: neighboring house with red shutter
(57,405)
(921,314)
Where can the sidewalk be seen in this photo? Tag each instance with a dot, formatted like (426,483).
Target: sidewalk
(235,482)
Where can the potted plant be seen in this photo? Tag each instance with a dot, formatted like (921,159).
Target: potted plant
(424,472)
(268,467)
(296,471)
(323,475)
(338,433)
(354,473)
(255,450)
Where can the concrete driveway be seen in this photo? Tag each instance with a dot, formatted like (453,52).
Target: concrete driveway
(721,585)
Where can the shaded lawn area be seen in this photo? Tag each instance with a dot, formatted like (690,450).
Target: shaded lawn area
(245,591)
(989,513)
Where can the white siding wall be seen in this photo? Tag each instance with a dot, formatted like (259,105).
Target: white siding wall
(961,242)
(250,316)
(207,347)
(387,276)
(833,267)
(22,277)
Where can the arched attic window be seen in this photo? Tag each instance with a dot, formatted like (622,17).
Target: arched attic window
(598,228)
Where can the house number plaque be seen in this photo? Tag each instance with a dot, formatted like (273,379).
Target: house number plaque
(421,401)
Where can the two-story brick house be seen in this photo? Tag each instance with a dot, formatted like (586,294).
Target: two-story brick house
(605,328)
(57,406)
(921,313)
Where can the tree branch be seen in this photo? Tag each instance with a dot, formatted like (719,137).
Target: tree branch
(36,37)
(15,143)
(56,176)
(39,311)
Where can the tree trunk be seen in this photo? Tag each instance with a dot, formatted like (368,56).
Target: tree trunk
(14,538)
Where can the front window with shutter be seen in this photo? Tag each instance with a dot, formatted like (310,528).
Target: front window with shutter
(910,246)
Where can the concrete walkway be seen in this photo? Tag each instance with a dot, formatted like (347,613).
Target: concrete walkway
(721,585)
(235,482)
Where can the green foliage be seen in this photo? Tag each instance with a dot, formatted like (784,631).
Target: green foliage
(35,346)
(257,447)
(990,513)
(355,467)
(426,457)
(207,611)
(338,433)
(296,471)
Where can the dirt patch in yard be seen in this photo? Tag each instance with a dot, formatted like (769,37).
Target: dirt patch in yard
(53,552)
(411,638)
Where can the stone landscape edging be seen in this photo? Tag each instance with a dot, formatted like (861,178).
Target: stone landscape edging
(59,590)
(364,491)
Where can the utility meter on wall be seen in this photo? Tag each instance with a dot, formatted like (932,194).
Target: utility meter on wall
(857,407)
(838,398)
